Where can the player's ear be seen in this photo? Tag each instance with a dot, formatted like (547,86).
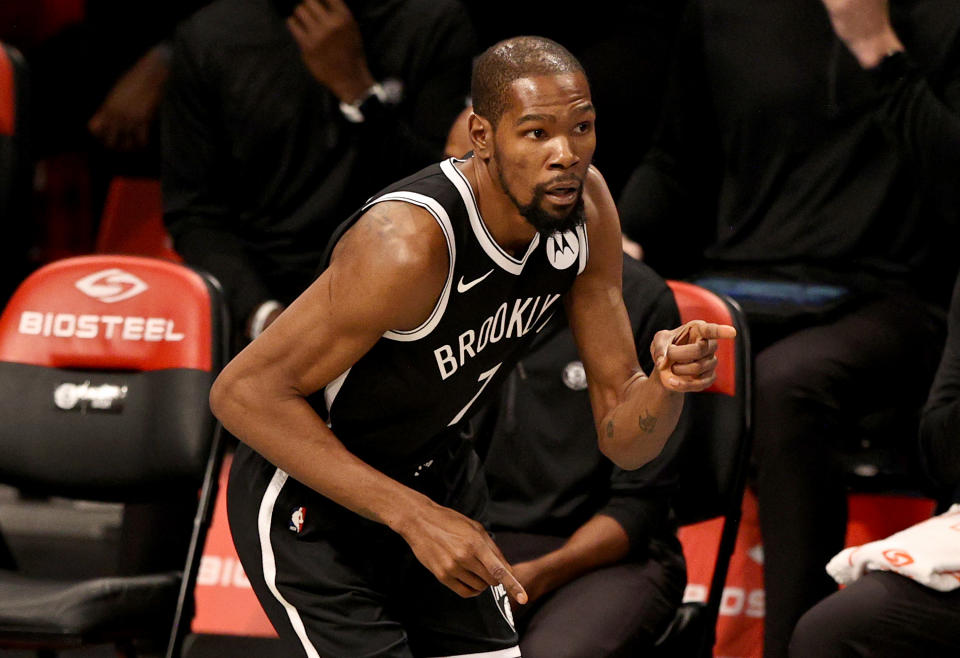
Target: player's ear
(481,135)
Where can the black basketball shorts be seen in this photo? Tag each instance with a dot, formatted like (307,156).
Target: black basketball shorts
(336,585)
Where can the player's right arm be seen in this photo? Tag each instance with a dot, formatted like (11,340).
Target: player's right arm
(387,272)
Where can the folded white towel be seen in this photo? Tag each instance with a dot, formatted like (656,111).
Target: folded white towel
(928,552)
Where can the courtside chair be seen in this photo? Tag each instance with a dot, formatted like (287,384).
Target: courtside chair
(714,461)
(132,220)
(105,367)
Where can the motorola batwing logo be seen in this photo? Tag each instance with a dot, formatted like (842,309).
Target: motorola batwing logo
(113,285)
(563,249)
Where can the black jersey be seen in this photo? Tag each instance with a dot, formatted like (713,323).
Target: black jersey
(413,386)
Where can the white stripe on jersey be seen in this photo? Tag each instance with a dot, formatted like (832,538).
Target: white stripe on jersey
(499,256)
(512,652)
(331,389)
(264,518)
(438,212)
(584,247)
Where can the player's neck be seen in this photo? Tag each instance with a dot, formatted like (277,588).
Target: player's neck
(508,227)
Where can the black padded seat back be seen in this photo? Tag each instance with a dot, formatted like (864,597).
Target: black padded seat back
(710,457)
(152,432)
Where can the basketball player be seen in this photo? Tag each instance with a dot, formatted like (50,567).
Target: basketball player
(363,535)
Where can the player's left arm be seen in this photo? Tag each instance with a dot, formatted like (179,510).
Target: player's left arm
(634,414)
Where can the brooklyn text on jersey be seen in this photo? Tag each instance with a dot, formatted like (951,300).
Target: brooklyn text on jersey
(522,318)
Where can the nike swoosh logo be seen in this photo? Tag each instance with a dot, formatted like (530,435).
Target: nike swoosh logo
(464,287)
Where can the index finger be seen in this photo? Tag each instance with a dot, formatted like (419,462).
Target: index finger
(502,574)
(694,351)
(710,331)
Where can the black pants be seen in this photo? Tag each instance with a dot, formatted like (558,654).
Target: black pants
(811,387)
(882,615)
(615,611)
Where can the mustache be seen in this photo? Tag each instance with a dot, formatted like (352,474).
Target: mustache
(563,179)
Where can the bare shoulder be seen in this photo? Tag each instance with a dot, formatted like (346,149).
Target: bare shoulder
(387,272)
(396,252)
(599,207)
(595,188)
(395,234)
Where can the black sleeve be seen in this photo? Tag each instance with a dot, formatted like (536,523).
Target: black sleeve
(196,191)
(672,192)
(198,195)
(940,422)
(411,135)
(920,112)
(639,500)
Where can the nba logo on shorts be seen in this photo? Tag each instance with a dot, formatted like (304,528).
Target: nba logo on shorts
(296,519)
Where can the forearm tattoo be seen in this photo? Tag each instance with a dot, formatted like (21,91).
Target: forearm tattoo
(647,423)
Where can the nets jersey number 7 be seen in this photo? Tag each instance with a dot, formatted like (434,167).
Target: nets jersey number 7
(483,380)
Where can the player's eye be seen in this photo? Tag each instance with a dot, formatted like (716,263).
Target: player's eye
(537,133)
(584,127)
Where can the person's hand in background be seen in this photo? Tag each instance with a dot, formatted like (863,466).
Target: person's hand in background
(331,47)
(123,121)
(864,26)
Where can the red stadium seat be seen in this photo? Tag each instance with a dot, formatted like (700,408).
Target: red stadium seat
(16,172)
(714,460)
(105,367)
(30,22)
(132,221)
(8,94)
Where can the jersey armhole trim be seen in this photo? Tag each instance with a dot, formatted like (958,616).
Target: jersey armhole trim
(496,253)
(584,248)
(434,208)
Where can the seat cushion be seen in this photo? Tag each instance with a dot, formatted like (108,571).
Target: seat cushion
(108,607)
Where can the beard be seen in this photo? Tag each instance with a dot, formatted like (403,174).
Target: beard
(534,212)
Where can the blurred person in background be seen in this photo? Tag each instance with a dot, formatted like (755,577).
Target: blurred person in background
(915,612)
(585,537)
(281,118)
(812,149)
(97,74)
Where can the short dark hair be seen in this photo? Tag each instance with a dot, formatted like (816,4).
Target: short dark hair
(509,60)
